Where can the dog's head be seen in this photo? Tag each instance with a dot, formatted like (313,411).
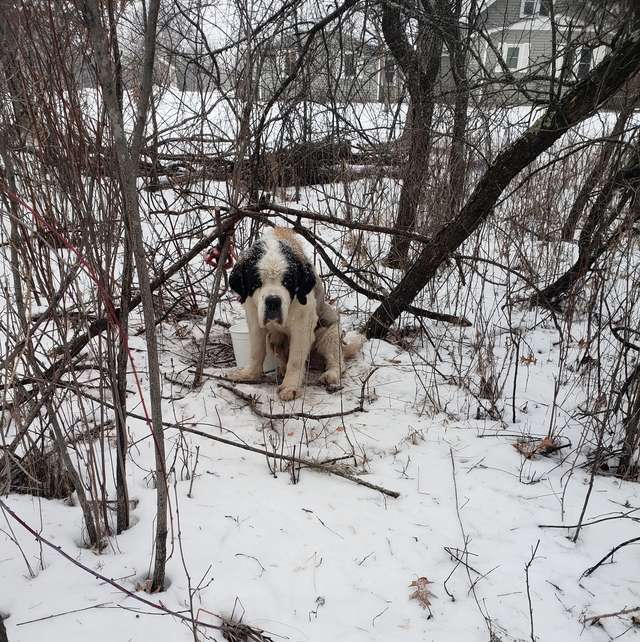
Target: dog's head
(275,273)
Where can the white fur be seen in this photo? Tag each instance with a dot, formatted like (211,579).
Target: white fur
(294,337)
(272,267)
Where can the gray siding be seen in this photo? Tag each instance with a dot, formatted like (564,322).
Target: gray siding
(503,13)
(535,50)
(338,69)
(334,72)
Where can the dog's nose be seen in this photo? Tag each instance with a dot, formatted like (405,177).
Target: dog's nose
(272,308)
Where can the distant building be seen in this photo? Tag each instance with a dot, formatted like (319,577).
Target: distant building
(527,46)
(346,63)
(341,68)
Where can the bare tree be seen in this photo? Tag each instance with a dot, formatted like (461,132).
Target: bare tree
(573,107)
(127,156)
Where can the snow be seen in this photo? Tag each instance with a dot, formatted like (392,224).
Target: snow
(325,558)
(356,552)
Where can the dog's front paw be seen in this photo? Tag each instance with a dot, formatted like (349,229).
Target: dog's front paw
(287,392)
(330,377)
(243,374)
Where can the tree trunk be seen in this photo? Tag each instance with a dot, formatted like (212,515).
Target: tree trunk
(412,183)
(576,105)
(126,159)
(122,359)
(569,227)
(591,244)
(420,67)
(120,398)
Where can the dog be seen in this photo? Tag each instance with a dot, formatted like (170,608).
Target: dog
(285,306)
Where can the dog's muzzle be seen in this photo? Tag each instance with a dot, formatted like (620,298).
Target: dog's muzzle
(272,309)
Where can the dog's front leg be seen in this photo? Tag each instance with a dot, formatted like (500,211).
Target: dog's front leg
(257,347)
(299,348)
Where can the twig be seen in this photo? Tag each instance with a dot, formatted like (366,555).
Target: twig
(472,584)
(193,472)
(526,572)
(608,555)
(252,557)
(54,615)
(78,342)
(596,521)
(213,298)
(253,402)
(373,621)
(594,619)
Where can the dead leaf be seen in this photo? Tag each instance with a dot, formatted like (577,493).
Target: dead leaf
(422,592)
(531,448)
(528,360)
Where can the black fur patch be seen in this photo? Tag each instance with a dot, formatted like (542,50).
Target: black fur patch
(245,277)
(299,278)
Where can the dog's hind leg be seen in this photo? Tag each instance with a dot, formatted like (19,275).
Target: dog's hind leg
(329,346)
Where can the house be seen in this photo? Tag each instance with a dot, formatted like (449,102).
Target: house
(347,62)
(523,49)
(342,67)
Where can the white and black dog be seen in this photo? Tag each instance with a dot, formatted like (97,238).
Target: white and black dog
(285,307)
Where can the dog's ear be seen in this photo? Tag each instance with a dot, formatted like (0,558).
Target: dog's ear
(245,279)
(306,281)
(238,280)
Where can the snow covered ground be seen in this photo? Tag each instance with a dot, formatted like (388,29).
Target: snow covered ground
(325,558)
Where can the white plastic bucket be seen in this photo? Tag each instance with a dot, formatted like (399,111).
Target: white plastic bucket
(241,348)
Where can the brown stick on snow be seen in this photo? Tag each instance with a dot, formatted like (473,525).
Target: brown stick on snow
(315,465)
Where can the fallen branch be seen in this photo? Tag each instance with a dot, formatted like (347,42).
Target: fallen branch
(123,589)
(229,442)
(254,403)
(595,619)
(608,555)
(294,460)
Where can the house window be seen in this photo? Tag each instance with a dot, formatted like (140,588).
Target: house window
(531,8)
(349,64)
(515,57)
(389,70)
(583,63)
(512,57)
(289,61)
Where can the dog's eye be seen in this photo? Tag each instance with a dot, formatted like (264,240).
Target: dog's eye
(289,282)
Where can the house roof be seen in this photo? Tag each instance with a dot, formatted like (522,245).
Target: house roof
(539,23)
(480,4)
